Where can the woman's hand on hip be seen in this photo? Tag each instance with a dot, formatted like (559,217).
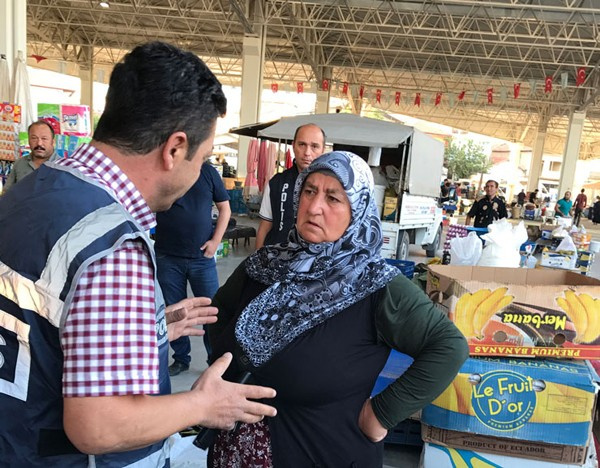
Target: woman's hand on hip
(369,424)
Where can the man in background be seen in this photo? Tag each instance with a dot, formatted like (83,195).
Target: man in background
(186,243)
(41,142)
(521,197)
(277,207)
(579,206)
(533,196)
(489,208)
(564,206)
(84,375)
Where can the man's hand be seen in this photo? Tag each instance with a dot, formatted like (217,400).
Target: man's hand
(209,248)
(184,316)
(369,424)
(224,403)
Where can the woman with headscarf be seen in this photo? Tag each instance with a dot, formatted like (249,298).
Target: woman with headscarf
(315,318)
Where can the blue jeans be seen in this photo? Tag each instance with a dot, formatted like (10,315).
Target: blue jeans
(173,275)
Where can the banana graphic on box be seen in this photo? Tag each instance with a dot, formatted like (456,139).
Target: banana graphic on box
(584,312)
(473,311)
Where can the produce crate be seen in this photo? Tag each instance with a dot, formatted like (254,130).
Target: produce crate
(408,432)
(405,266)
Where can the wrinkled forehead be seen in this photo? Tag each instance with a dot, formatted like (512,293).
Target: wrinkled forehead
(351,171)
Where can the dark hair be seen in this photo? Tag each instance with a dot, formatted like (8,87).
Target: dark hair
(41,122)
(156,90)
(311,125)
(582,190)
(492,180)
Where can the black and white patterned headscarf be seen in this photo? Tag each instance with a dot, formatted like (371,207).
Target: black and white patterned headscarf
(309,283)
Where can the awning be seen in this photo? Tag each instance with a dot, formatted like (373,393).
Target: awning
(348,129)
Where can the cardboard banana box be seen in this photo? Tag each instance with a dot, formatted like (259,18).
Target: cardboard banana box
(519,311)
(438,456)
(541,401)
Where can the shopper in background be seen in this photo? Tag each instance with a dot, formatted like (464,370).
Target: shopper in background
(83,325)
(489,208)
(276,210)
(41,142)
(533,196)
(299,315)
(564,206)
(579,206)
(186,243)
(521,197)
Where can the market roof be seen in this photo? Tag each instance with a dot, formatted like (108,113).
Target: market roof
(411,46)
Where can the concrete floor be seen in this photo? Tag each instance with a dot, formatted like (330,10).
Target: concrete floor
(401,456)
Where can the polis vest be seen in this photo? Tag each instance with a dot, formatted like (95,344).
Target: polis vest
(64,223)
(281,188)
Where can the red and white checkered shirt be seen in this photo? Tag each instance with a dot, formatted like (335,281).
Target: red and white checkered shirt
(109,336)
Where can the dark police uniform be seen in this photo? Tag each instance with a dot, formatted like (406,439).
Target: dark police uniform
(486,211)
(281,188)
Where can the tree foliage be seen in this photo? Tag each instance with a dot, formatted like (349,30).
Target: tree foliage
(465,160)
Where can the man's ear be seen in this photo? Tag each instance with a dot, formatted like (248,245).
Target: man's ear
(174,150)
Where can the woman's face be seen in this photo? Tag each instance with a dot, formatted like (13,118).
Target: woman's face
(323,210)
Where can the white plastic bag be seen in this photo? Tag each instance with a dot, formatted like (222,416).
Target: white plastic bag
(566,245)
(465,250)
(502,244)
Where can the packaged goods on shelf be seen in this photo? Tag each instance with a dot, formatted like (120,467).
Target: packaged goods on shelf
(51,114)
(521,312)
(10,112)
(10,116)
(67,119)
(75,120)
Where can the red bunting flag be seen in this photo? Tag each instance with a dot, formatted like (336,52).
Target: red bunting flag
(490,95)
(345,88)
(516,90)
(461,95)
(418,99)
(274,87)
(38,58)
(398,95)
(548,84)
(378,95)
(438,98)
(299,87)
(325,85)
(580,78)
(361,91)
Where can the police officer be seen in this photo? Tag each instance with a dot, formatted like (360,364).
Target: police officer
(277,208)
(489,208)
(83,327)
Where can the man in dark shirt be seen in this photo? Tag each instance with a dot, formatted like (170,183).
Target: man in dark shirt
(579,206)
(277,207)
(185,249)
(489,208)
(533,196)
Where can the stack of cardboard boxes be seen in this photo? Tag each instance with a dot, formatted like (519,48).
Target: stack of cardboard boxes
(527,395)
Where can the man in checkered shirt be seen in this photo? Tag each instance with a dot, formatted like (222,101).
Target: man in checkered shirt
(83,327)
